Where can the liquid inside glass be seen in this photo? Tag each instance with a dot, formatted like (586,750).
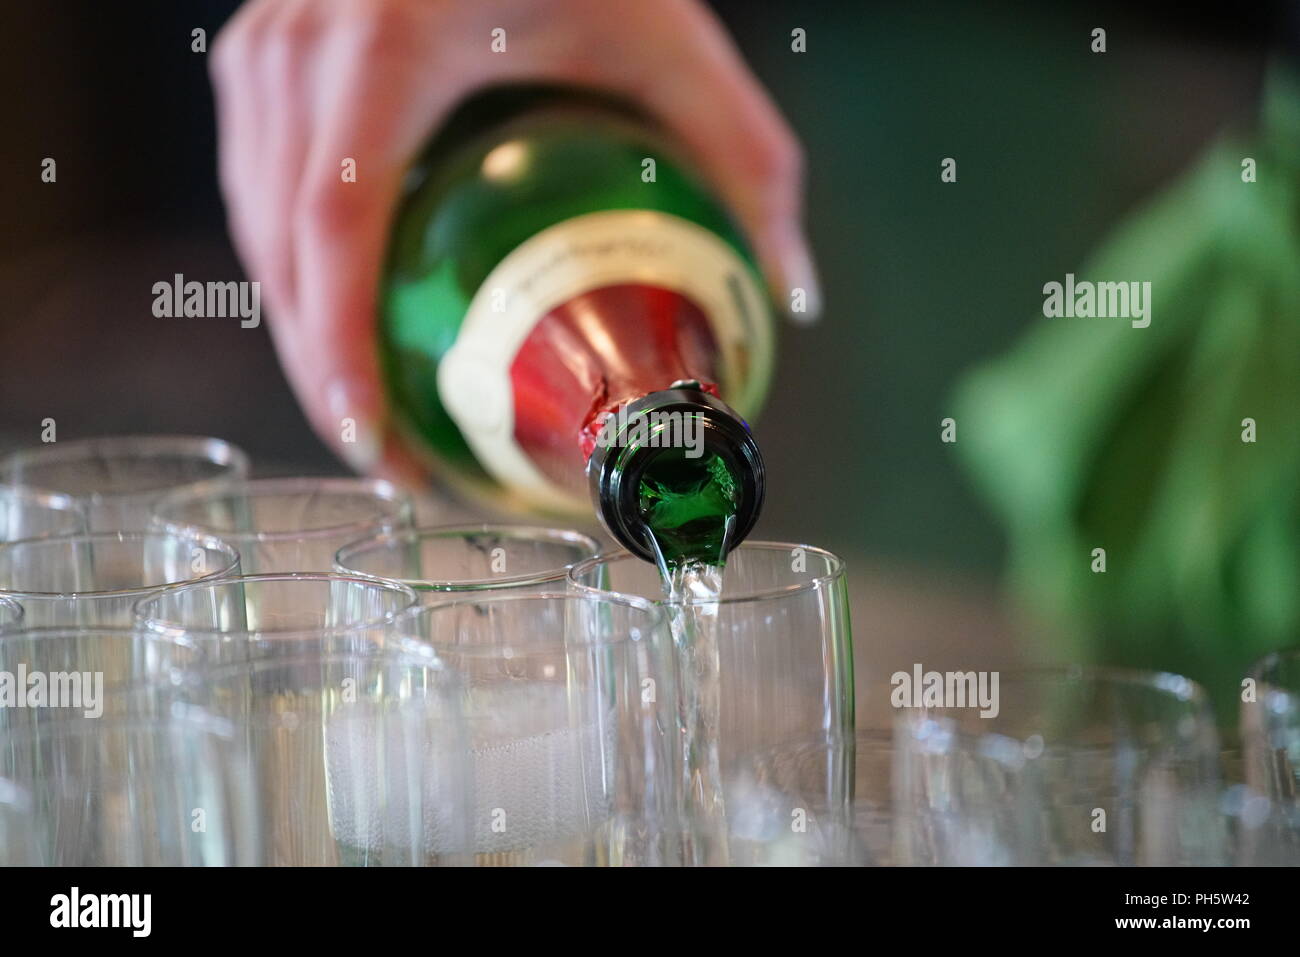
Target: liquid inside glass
(688,507)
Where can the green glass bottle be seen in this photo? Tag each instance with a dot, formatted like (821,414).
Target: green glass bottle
(570,319)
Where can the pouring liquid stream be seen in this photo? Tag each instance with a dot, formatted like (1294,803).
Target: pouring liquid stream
(689,510)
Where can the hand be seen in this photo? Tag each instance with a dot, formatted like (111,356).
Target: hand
(302,84)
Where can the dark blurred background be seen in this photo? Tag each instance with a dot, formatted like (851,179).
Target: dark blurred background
(922,280)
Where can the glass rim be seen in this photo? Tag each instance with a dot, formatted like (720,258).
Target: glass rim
(44,498)
(199,447)
(54,632)
(1168,684)
(1262,669)
(400,652)
(1165,682)
(658,622)
(208,542)
(1005,747)
(173,627)
(379,490)
(816,582)
(519,532)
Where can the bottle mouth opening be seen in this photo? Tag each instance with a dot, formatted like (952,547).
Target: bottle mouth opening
(641,433)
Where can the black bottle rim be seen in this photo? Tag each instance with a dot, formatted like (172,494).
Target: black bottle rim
(614,471)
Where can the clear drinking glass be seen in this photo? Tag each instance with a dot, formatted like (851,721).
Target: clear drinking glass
(777,670)
(92,672)
(31,513)
(1077,767)
(468,558)
(116,479)
(355,751)
(1269,826)
(96,579)
(288,524)
(156,790)
(569,708)
(352,743)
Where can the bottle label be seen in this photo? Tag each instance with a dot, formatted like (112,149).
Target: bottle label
(566,260)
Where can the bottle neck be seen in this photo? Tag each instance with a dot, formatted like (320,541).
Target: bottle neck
(676,476)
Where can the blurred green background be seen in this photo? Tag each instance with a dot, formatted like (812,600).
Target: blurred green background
(1054,145)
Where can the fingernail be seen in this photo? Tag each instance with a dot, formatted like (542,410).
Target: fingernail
(802,293)
(354,408)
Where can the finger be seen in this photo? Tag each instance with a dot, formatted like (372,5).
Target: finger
(262,77)
(375,105)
